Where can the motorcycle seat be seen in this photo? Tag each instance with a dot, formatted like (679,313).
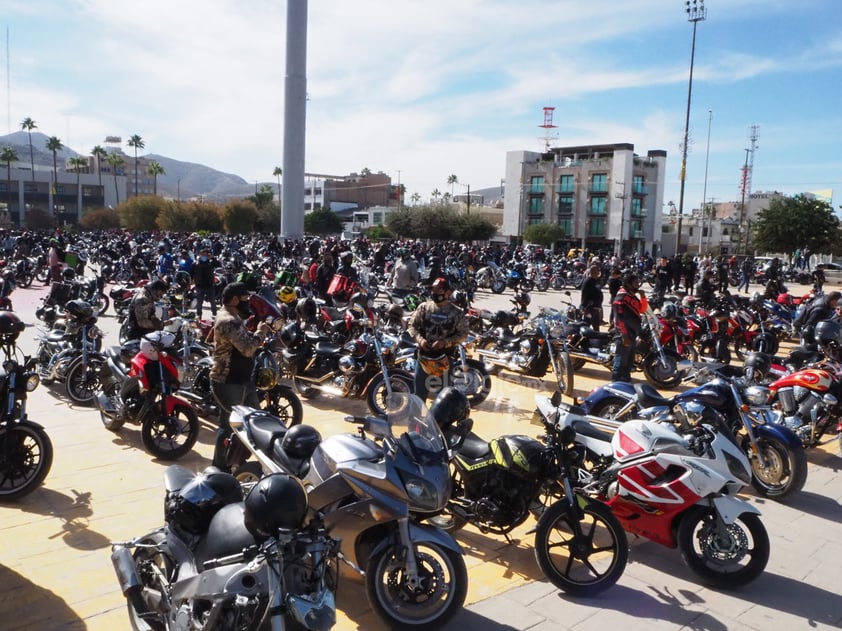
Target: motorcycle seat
(226,535)
(266,431)
(590,334)
(474,447)
(326,349)
(584,428)
(649,397)
(506,336)
(299,467)
(56,335)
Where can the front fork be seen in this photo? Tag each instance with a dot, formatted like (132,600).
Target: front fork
(412,578)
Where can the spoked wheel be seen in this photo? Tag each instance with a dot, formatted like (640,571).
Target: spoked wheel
(170,436)
(101,304)
(376,395)
(610,407)
(725,556)
(440,593)
(581,564)
(785,472)
(26,455)
(83,382)
(662,374)
(282,402)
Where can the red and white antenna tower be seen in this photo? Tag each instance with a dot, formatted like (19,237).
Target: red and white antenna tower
(548,125)
(748,167)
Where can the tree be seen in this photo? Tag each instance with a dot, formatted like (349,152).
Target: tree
(365,172)
(416,198)
(796,222)
(99,153)
(278,172)
(175,217)
(378,232)
(435,195)
(239,216)
(452,180)
(28,124)
(263,197)
(54,145)
(78,163)
(322,221)
(116,162)
(100,219)
(545,234)
(9,155)
(207,215)
(473,228)
(141,213)
(438,222)
(154,169)
(136,142)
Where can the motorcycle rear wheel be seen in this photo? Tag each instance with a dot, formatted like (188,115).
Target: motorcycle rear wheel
(474,383)
(721,564)
(785,473)
(582,565)
(444,586)
(375,396)
(26,456)
(282,402)
(171,436)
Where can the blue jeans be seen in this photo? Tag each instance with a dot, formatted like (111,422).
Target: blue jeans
(203,293)
(743,282)
(228,395)
(623,362)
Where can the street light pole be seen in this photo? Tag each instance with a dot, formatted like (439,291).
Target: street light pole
(705,187)
(696,12)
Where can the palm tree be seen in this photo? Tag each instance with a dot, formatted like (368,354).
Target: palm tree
(28,124)
(136,142)
(155,169)
(452,180)
(116,162)
(78,163)
(435,195)
(415,197)
(445,198)
(9,155)
(99,153)
(278,172)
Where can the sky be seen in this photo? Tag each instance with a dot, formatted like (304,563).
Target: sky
(425,89)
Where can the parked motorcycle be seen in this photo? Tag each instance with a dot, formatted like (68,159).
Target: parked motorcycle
(146,396)
(579,544)
(676,488)
(374,494)
(490,276)
(26,451)
(222,561)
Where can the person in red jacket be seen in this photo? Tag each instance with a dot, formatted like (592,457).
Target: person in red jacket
(626,308)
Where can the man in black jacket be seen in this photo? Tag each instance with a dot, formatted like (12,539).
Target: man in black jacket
(203,278)
(822,308)
(591,304)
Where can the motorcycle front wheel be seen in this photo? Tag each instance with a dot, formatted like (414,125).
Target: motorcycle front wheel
(584,564)
(26,455)
(724,561)
(170,436)
(375,396)
(438,597)
(785,472)
(83,383)
(564,375)
(101,303)
(282,402)
(658,374)
(498,285)
(474,383)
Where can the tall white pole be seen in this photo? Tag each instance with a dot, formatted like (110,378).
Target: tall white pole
(705,187)
(295,118)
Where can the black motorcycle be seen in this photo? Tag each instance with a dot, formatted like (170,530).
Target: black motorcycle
(26,451)
(222,561)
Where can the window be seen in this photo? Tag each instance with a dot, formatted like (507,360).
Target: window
(598,205)
(377,218)
(308,192)
(30,187)
(565,204)
(596,228)
(531,221)
(3,187)
(566,225)
(637,207)
(636,229)
(599,183)
(566,184)
(536,184)
(637,185)
(60,189)
(536,206)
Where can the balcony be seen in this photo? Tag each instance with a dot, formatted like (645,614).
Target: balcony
(598,187)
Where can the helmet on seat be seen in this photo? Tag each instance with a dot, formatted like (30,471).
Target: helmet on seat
(68,274)
(277,502)
(450,406)
(757,366)
(10,327)
(79,309)
(286,295)
(193,506)
(306,309)
(301,441)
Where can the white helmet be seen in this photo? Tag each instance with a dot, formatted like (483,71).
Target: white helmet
(151,343)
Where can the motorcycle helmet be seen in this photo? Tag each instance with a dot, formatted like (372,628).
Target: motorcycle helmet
(460,299)
(301,441)
(829,333)
(522,299)
(346,257)
(79,309)
(502,318)
(10,327)
(193,506)
(574,314)
(411,302)
(359,302)
(68,274)
(306,309)
(152,343)
(450,406)
(277,502)
(158,288)
(286,295)
(669,311)
(182,279)
(265,370)
(394,313)
(757,366)
(291,335)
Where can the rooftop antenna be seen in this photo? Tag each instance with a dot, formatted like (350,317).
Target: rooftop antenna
(548,126)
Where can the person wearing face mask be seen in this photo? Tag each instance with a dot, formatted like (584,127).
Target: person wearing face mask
(204,281)
(436,325)
(234,347)
(142,318)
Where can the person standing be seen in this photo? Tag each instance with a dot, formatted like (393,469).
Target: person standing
(746,270)
(627,307)
(405,275)
(591,303)
(436,325)
(234,347)
(615,281)
(203,279)
(142,318)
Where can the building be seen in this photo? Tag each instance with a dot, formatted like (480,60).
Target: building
(341,192)
(606,197)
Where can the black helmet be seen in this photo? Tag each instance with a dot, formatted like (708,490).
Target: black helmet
(360,300)
(291,335)
(394,312)
(306,309)
(757,366)
(301,441)
(460,299)
(450,407)
(669,311)
(182,278)
(10,326)
(522,299)
(631,279)
(157,286)
(68,274)
(829,332)
(79,309)
(193,506)
(277,502)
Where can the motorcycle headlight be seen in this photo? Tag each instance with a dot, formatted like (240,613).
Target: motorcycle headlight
(32,381)
(756,395)
(526,345)
(422,494)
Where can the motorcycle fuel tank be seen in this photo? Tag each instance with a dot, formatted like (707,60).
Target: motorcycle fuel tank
(811,378)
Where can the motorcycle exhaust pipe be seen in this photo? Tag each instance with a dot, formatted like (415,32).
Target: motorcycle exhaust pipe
(125,568)
(105,405)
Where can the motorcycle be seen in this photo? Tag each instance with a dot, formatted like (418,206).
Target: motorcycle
(362,368)
(579,544)
(60,349)
(676,488)
(374,494)
(777,459)
(26,451)
(222,561)
(539,347)
(146,396)
(490,276)
(25,269)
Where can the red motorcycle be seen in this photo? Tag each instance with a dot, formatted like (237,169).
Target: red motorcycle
(145,395)
(677,332)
